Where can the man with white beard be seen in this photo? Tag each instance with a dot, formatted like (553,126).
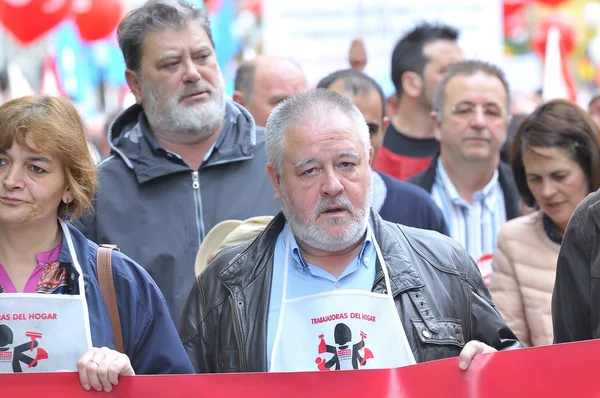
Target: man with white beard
(183,158)
(328,284)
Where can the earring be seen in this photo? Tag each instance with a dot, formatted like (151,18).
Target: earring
(66,217)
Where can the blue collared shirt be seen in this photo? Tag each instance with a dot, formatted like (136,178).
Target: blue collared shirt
(474,225)
(306,279)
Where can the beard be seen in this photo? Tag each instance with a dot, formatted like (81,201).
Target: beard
(185,124)
(306,230)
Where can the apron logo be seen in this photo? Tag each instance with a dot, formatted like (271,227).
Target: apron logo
(485,266)
(343,350)
(18,356)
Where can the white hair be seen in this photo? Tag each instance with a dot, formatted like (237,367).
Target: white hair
(304,107)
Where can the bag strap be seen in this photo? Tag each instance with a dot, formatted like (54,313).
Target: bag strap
(107,287)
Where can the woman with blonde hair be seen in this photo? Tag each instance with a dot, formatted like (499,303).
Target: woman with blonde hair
(556,164)
(48,269)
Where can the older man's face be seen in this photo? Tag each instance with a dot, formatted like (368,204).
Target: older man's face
(325,183)
(181,86)
(475,122)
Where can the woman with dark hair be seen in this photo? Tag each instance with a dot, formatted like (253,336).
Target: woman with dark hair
(556,163)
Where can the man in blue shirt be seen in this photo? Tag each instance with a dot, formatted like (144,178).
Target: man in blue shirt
(328,284)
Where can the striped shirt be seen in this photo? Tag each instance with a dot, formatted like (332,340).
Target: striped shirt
(474,225)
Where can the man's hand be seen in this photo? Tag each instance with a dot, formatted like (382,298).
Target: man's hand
(471,349)
(99,368)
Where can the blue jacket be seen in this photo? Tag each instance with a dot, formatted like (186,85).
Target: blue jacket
(150,338)
(410,205)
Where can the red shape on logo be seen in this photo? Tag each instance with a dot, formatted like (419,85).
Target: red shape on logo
(41,354)
(368,355)
(321,364)
(33,336)
(322,345)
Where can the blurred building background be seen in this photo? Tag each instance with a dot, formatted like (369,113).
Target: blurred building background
(69,46)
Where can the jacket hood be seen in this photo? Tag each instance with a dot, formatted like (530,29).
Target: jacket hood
(130,139)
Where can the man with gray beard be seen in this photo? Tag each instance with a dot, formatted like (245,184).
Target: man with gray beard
(328,284)
(183,157)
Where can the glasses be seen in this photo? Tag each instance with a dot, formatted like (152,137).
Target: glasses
(467,110)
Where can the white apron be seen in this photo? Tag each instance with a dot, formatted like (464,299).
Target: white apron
(44,332)
(344,329)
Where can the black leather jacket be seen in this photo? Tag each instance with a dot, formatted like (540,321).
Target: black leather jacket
(575,311)
(439,293)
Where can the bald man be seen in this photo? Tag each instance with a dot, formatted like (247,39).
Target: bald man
(264,81)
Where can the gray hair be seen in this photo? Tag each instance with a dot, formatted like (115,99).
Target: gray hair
(467,68)
(244,79)
(156,16)
(303,107)
(355,83)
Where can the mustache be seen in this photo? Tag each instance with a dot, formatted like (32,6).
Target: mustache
(337,202)
(196,89)
(480,134)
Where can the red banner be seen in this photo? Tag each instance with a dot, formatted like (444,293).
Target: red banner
(565,370)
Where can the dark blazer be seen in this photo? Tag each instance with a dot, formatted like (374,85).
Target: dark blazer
(512,199)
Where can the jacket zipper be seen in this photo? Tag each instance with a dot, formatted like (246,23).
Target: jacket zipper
(236,332)
(198,204)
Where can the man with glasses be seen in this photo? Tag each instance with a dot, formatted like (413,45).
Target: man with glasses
(473,188)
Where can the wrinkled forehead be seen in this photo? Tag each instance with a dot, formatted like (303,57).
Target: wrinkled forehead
(478,88)
(324,136)
(191,37)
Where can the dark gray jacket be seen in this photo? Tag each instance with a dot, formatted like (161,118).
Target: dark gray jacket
(158,210)
(575,310)
(439,294)
(512,200)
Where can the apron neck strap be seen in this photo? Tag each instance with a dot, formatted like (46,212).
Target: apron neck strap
(370,234)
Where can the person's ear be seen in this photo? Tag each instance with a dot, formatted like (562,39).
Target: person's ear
(275,178)
(385,125)
(239,98)
(412,84)
(68,196)
(135,85)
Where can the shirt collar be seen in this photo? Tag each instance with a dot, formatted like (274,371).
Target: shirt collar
(487,194)
(302,266)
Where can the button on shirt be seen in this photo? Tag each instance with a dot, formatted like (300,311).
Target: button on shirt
(474,225)
(306,279)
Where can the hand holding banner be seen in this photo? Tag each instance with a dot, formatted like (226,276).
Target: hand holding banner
(565,370)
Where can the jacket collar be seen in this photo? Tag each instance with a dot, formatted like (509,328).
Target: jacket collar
(66,260)
(426,180)
(130,139)
(238,275)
